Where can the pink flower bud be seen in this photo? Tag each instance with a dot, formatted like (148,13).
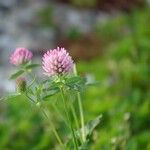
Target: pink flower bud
(57,62)
(20,56)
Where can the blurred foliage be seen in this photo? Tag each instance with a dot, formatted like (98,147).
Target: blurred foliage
(74,33)
(84,3)
(45,16)
(122,95)
(107,5)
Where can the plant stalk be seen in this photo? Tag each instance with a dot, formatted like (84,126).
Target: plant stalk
(68,117)
(80,110)
(74,116)
(53,129)
(81,117)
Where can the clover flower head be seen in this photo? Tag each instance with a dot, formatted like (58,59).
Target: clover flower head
(57,62)
(20,56)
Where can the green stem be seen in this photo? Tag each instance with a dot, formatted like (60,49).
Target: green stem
(80,110)
(53,129)
(74,115)
(81,117)
(60,114)
(68,117)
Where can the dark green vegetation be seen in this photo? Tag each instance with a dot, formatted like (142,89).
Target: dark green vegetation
(122,95)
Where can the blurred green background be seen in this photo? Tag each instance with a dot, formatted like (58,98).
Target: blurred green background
(116,53)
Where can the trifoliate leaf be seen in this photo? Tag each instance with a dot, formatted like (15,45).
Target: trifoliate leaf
(17,74)
(31,66)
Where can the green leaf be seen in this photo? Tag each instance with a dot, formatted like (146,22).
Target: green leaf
(76,83)
(50,93)
(30,66)
(10,96)
(17,74)
(30,91)
(47,81)
(70,144)
(50,85)
(84,146)
(89,127)
(73,80)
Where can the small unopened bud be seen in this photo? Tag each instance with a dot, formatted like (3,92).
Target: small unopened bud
(20,84)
